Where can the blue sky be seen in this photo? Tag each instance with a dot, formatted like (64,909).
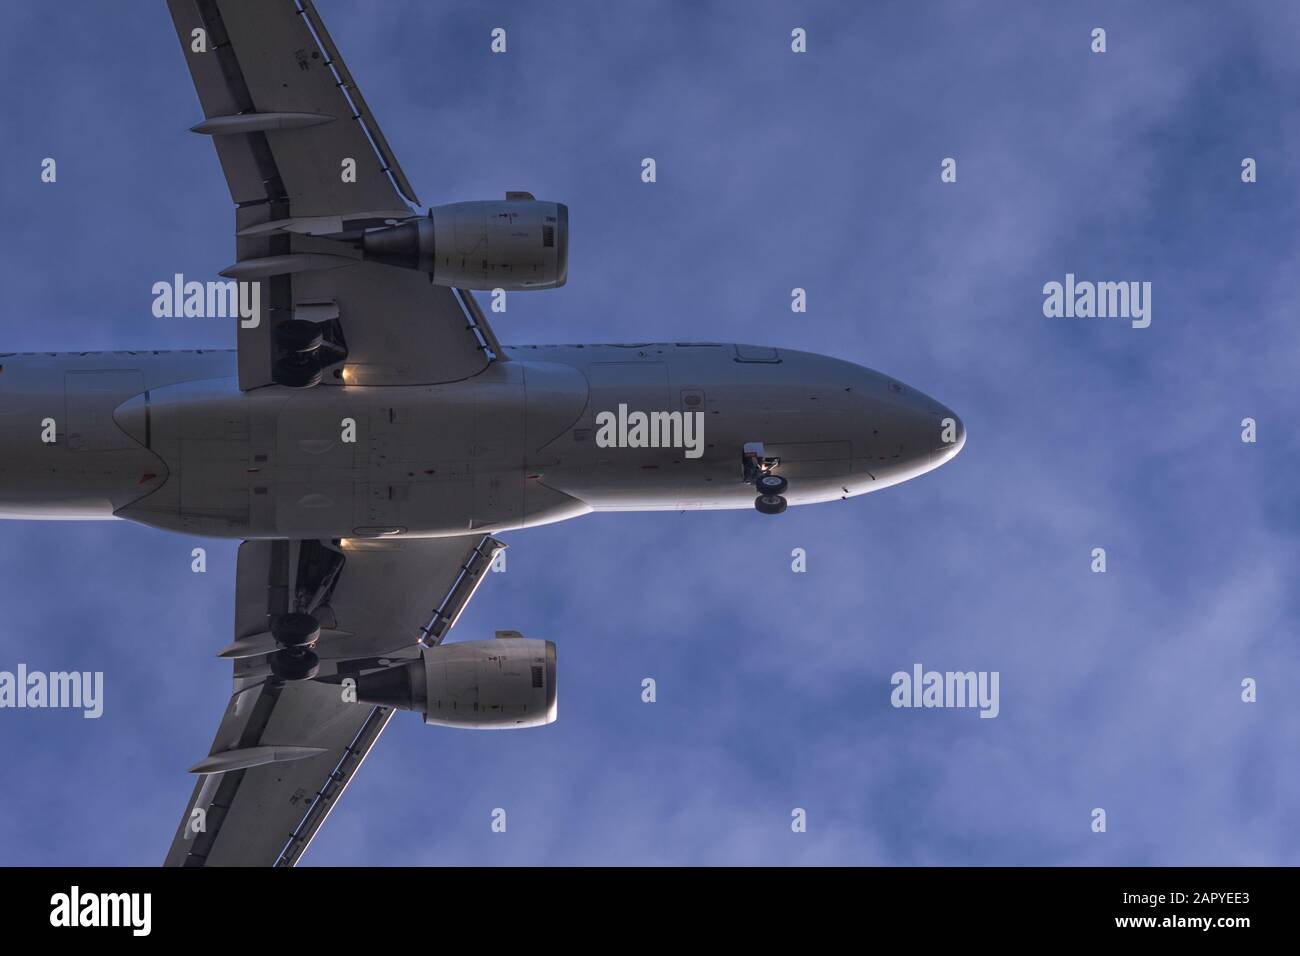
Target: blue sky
(775,170)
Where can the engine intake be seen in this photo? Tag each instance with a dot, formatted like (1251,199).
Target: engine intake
(500,684)
(515,244)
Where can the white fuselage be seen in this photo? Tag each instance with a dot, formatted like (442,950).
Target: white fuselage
(168,439)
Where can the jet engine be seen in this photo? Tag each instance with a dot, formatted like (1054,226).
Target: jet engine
(500,684)
(517,244)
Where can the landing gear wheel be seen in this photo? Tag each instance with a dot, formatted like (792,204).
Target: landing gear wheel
(771,485)
(295,629)
(770,504)
(294,664)
(298,335)
(296,374)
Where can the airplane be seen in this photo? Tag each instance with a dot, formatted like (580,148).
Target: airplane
(369,437)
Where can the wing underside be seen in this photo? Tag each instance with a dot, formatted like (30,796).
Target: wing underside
(307,166)
(304,158)
(285,751)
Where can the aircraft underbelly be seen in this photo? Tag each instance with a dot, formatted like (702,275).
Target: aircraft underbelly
(90,395)
(348,462)
(62,455)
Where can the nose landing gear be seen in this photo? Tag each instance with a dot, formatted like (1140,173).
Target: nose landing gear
(770,486)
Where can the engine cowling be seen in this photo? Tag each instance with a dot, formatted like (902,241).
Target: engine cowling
(515,244)
(489,685)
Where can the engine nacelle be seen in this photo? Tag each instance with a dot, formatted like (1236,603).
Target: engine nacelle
(491,685)
(515,245)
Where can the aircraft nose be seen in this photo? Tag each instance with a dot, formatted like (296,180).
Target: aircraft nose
(950,436)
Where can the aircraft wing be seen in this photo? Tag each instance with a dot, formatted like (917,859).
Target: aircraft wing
(284,752)
(304,158)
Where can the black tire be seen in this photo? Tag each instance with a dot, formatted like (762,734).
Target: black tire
(296,374)
(298,335)
(771,485)
(770,504)
(295,629)
(295,665)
